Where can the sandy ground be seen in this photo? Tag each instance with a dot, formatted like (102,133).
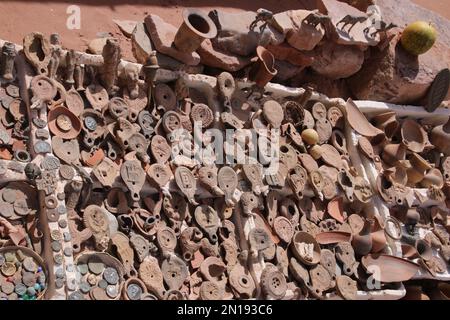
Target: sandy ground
(21,17)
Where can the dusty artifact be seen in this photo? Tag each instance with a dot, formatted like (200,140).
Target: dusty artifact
(172,178)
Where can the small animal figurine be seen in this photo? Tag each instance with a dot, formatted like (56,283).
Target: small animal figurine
(350,20)
(315,18)
(380,26)
(262,15)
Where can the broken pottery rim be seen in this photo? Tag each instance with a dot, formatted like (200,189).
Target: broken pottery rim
(190,12)
(74,120)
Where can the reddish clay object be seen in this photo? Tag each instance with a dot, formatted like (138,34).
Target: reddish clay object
(264,69)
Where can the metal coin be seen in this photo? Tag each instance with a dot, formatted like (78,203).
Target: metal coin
(21,207)
(66,172)
(90,123)
(29,279)
(76,296)
(67,236)
(42,147)
(85,287)
(8,269)
(59,273)
(61,196)
(12,296)
(29,264)
(7,210)
(68,251)
(8,287)
(2,260)
(96,267)
(31,291)
(20,289)
(134,292)
(9,195)
(56,246)
(56,235)
(69,267)
(83,268)
(41,124)
(50,163)
(111,275)
(102,284)
(13,91)
(61,209)
(59,283)
(58,258)
(112,291)
(42,134)
(62,223)
(92,279)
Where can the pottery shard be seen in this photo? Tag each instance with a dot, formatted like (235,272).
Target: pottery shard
(336,61)
(126,26)
(234,33)
(299,34)
(287,53)
(162,35)
(395,76)
(212,57)
(141,43)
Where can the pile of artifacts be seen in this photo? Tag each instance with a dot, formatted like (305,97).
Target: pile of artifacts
(110,170)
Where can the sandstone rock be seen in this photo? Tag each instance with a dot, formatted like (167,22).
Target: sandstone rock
(300,35)
(218,59)
(359,4)
(126,26)
(234,33)
(393,75)
(141,43)
(337,10)
(162,35)
(96,45)
(337,61)
(331,88)
(286,71)
(285,52)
